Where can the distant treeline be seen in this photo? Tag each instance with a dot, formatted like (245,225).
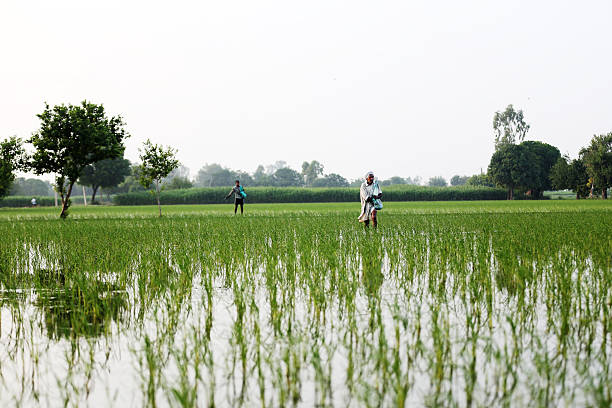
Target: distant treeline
(215,195)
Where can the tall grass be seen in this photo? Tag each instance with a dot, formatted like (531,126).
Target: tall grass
(215,195)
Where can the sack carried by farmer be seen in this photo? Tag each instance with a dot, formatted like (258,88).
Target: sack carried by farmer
(242,193)
(378,205)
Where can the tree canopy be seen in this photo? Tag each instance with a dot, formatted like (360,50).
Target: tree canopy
(311,171)
(512,166)
(107,173)
(509,127)
(157,163)
(12,158)
(458,180)
(437,181)
(482,180)
(545,157)
(214,175)
(331,180)
(571,175)
(72,137)
(31,187)
(597,159)
(285,177)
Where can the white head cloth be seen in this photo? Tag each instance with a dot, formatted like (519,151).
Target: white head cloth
(369,173)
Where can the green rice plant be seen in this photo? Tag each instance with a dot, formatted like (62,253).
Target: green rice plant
(447,303)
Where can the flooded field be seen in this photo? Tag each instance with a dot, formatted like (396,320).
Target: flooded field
(446,304)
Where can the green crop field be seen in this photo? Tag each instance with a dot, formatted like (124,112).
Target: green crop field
(446,304)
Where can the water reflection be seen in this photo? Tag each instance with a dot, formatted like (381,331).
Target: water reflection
(73,308)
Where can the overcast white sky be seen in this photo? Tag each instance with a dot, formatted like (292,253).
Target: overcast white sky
(400,87)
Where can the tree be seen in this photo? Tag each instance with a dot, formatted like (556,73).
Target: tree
(438,181)
(481,180)
(130,184)
(279,164)
(570,175)
(261,178)
(579,178)
(157,163)
(509,127)
(177,179)
(244,177)
(286,177)
(545,158)
(12,158)
(458,180)
(560,174)
(72,137)
(597,158)
(512,166)
(393,181)
(331,180)
(181,171)
(178,183)
(31,187)
(311,171)
(107,173)
(214,175)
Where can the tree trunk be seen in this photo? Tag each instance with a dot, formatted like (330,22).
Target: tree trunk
(510,193)
(93,195)
(157,196)
(65,199)
(604,192)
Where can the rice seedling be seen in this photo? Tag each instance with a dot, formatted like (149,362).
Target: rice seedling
(447,304)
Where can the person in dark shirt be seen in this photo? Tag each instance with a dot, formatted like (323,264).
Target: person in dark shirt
(238,193)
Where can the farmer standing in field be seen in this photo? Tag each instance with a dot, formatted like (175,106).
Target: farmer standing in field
(239,196)
(370,194)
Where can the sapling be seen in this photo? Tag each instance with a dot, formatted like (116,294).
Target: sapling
(157,163)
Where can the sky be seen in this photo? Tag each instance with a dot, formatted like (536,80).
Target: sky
(403,88)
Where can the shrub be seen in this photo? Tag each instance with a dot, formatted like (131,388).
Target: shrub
(24,201)
(216,195)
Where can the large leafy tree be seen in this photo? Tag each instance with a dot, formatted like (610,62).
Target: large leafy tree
(107,173)
(513,166)
(509,127)
(157,163)
(539,175)
(12,158)
(597,158)
(71,138)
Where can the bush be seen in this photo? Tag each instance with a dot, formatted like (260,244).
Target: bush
(24,201)
(216,195)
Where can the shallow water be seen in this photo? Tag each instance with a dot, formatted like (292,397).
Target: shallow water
(433,309)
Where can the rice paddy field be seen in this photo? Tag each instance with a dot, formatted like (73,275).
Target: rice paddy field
(446,304)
